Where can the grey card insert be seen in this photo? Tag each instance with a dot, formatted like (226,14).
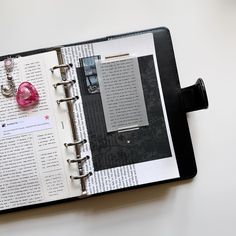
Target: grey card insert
(122,93)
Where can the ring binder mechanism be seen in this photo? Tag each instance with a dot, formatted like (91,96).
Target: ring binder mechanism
(67,99)
(65,66)
(76,143)
(78,160)
(64,83)
(80,177)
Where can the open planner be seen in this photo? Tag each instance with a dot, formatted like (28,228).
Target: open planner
(111,116)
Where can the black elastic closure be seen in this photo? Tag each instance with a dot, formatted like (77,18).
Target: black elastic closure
(195,96)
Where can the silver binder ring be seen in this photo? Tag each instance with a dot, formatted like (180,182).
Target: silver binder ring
(81,176)
(64,83)
(65,66)
(67,99)
(80,143)
(78,160)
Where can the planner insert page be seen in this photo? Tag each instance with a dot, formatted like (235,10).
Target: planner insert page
(121,113)
(33,158)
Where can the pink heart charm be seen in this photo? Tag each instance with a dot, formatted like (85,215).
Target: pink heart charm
(27,95)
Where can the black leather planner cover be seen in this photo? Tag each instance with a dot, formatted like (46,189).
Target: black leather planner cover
(147,138)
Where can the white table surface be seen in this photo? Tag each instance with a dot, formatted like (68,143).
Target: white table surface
(204,38)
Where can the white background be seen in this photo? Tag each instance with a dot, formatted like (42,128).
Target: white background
(204,38)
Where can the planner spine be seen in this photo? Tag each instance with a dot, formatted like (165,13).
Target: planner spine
(77,144)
